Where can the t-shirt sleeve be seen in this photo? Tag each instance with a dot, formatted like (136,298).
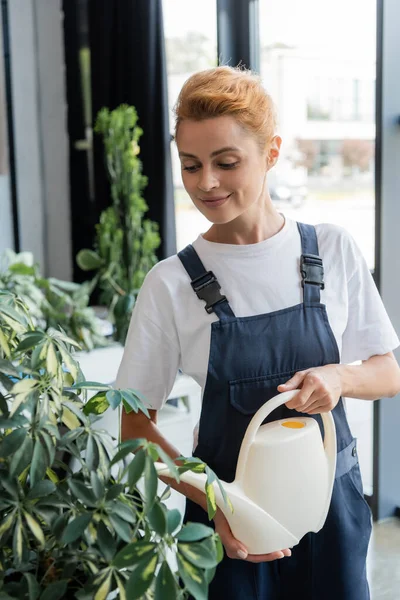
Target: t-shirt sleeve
(369,330)
(151,356)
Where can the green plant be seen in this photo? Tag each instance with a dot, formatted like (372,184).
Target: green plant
(51,302)
(125,242)
(77,520)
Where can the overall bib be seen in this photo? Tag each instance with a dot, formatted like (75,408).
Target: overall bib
(249,357)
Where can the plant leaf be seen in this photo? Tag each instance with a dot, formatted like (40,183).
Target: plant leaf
(12,442)
(174,518)
(136,468)
(35,528)
(7,522)
(22,457)
(90,385)
(114,398)
(55,591)
(51,360)
(150,481)
(97,485)
(134,553)
(141,578)
(104,588)
(33,586)
(193,532)
(97,404)
(75,529)
(166,588)
(193,578)
(8,368)
(29,341)
(121,528)
(211,501)
(157,519)
(201,554)
(126,448)
(39,463)
(82,492)
(41,489)
(105,541)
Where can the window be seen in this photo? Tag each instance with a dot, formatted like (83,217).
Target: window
(190,28)
(323,84)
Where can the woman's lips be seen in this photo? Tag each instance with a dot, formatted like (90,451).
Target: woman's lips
(215,202)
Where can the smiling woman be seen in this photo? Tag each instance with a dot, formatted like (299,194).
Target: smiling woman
(287,307)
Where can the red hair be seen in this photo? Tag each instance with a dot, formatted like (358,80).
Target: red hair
(231,91)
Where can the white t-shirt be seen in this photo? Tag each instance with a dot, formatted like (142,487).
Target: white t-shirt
(170,328)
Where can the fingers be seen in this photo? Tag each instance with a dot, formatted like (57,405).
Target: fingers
(257,558)
(293,383)
(233,548)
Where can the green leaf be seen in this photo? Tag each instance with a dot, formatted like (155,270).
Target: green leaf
(105,541)
(173,469)
(124,511)
(55,591)
(90,385)
(22,457)
(14,315)
(134,553)
(174,518)
(134,401)
(82,492)
(193,532)
(157,519)
(114,398)
(126,448)
(21,269)
(41,490)
(4,344)
(7,522)
(141,578)
(39,463)
(136,468)
(97,404)
(121,528)
(211,501)
(18,542)
(114,491)
(35,528)
(150,481)
(92,453)
(88,260)
(20,392)
(51,360)
(8,368)
(104,588)
(75,529)
(12,442)
(193,578)
(29,341)
(166,587)
(33,586)
(97,485)
(201,554)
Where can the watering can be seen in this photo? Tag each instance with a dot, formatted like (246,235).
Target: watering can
(284,479)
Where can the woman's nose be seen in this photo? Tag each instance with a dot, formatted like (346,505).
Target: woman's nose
(207,180)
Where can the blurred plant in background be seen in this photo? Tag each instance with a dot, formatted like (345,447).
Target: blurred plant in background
(51,302)
(126,242)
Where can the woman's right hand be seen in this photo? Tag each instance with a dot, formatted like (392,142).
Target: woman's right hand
(235,549)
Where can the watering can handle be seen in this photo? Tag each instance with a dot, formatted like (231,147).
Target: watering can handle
(262,414)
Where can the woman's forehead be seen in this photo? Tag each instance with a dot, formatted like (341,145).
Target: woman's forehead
(210,134)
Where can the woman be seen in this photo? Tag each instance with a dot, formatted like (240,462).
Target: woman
(287,306)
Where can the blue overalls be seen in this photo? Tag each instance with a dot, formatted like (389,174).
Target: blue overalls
(249,357)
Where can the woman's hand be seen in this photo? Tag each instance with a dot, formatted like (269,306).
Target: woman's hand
(320,389)
(235,549)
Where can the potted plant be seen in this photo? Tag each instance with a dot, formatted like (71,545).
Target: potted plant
(125,242)
(77,520)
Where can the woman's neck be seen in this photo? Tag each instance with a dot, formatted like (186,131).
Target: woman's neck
(247,230)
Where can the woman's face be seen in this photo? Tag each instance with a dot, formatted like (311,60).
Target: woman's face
(223,169)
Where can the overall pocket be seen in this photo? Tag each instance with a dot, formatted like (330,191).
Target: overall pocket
(248,395)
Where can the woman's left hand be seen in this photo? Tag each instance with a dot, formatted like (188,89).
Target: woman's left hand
(320,389)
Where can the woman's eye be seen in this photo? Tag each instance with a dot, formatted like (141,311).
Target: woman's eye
(191,169)
(228,165)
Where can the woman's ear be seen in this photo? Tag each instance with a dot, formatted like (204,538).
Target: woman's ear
(273,151)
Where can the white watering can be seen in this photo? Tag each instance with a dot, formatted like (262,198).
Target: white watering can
(284,480)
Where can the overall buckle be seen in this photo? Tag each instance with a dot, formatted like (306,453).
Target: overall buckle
(312,270)
(207,288)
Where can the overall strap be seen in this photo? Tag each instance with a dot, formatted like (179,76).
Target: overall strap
(311,267)
(205,284)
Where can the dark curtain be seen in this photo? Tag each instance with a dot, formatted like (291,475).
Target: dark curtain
(128,65)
